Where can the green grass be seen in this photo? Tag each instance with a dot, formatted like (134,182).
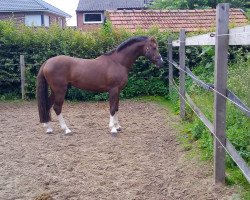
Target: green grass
(195,137)
(248,15)
(237,123)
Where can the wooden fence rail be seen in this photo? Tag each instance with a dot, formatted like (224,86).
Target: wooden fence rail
(210,87)
(221,39)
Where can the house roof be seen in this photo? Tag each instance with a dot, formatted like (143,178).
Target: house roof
(174,20)
(101,5)
(30,6)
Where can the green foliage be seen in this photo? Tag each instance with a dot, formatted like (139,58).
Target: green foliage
(201,60)
(238,125)
(248,12)
(40,44)
(195,4)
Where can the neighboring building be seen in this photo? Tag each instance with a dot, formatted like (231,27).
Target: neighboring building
(32,13)
(91,13)
(173,20)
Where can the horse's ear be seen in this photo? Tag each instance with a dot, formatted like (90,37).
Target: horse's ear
(152,39)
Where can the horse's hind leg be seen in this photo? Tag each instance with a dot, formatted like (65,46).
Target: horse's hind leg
(51,102)
(51,99)
(59,99)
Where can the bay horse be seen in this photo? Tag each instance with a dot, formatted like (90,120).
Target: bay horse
(106,73)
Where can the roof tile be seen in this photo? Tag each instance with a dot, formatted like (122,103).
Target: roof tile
(174,20)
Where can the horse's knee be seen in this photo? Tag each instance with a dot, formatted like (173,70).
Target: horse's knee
(57,108)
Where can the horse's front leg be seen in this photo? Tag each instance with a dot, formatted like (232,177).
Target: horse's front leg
(114,104)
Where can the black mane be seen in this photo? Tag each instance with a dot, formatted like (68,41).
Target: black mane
(131,41)
(127,43)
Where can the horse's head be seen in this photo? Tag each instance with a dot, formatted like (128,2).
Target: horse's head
(151,51)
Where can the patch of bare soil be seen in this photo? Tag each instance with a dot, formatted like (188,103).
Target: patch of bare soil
(145,160)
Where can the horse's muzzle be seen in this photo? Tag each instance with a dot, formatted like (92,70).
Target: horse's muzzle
(159,62)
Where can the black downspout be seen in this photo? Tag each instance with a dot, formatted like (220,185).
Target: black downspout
(42,19)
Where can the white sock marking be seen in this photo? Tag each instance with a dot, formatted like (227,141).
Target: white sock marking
(113,123)
(63,124)
(48,127)
(113,130)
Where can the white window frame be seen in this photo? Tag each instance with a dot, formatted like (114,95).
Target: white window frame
(33,20)
(93,22)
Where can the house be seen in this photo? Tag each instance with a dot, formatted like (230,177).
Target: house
(32,13)
(173,20)
(91,13)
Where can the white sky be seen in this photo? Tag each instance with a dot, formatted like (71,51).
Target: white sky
(68,6)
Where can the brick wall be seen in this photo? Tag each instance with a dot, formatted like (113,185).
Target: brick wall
(56,19)
(17,17)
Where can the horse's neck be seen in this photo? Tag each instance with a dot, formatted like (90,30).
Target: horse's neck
(128,56)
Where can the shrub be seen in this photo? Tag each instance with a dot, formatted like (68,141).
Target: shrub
(39,44)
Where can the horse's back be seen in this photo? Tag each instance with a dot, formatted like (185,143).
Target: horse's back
(65,66)
(90,74)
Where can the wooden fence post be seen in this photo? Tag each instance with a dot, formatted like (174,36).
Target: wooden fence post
(221,60)
(182,73)
(22,66)
(170,69)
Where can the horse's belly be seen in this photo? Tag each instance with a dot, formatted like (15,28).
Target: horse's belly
(90,86)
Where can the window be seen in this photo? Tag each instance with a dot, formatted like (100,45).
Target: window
(46,20)
(93,18)
(33,20)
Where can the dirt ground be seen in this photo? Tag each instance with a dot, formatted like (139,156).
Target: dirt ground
(145,161)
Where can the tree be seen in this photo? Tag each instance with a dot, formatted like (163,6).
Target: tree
(195,4)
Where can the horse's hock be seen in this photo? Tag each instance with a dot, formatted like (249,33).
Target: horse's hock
(145,161)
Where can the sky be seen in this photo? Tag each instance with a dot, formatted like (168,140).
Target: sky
(68,6)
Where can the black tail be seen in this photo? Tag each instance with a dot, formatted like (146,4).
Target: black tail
(42,97)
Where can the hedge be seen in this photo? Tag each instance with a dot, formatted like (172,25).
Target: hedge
(39,44)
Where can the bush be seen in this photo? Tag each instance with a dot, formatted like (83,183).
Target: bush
(39,44)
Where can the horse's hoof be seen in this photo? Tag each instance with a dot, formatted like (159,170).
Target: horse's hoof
(114,132)
(119,129)
(67,132)
(49,132)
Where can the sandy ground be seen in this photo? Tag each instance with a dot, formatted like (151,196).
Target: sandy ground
(145,161)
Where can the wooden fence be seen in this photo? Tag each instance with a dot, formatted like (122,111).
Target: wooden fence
(222,38)
(22,69)
(20,76)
